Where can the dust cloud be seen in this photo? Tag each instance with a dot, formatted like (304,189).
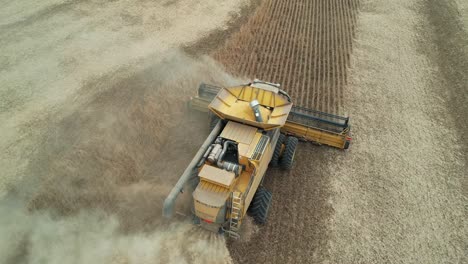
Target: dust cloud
(93,190)
(50,49)
(93,237)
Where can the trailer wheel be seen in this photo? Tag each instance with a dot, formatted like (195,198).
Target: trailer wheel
(260,205)
(213,121)
(289,151)
(277,153)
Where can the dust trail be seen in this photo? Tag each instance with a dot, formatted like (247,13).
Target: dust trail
(93,237)
(50,48)
(93,191)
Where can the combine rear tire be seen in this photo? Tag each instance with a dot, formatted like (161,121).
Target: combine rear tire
(288,154)
(260,205)
(277,153)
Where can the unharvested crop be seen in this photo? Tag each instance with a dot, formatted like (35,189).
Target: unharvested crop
(303,45)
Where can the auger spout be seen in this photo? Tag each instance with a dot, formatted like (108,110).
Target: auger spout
(169,202)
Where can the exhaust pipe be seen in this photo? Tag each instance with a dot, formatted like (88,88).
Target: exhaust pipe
(229,166)
(255,105)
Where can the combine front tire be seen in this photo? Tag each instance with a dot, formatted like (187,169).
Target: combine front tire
(277,153)
(289,152)
(260,205)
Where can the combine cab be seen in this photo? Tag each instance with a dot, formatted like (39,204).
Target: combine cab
(253,126)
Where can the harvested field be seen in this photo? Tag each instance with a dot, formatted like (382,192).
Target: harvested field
(104,170)
(398,195)
(101,173)
(92,122)
(304,45)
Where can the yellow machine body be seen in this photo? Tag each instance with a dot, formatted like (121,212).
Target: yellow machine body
(216,185)
(254,120)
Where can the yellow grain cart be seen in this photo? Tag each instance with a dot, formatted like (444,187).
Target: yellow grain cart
(253,126)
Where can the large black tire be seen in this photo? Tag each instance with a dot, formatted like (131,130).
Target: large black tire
(214,119)
(277,152)
(260,205)
(289,152)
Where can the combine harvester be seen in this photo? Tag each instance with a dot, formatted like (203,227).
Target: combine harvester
(253,126)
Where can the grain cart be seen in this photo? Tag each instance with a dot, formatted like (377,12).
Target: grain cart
(253,126)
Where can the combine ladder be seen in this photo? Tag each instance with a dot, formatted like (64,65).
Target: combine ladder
(236,214)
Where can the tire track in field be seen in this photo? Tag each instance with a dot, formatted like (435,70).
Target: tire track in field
(305,45)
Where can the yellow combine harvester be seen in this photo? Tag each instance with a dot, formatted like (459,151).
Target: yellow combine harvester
(253,126)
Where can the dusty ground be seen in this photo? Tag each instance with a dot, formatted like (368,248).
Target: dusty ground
(462,7)
(90,93)
(51,50)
